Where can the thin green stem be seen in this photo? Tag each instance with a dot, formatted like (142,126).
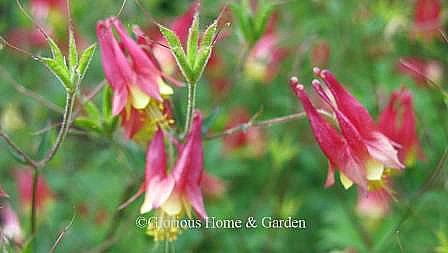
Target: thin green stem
(190,108)
(65,125)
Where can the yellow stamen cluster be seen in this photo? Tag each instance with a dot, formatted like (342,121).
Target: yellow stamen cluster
(165,227)
(155,117)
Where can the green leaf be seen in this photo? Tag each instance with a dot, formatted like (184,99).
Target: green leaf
(209,35)
(88,124)
(84,61)
(92,111)
(56,52)
(59,70)
(73,53)
(107,102)
(28,246)
(203,57)
(178,52)
(193,38)
(262,19)
(243,23)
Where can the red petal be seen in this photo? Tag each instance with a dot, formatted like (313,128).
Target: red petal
(349,106)
(116,67)
(155,158)
(194,195)
(147,72)
(332,144)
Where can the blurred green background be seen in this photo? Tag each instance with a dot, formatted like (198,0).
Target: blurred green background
(90,174)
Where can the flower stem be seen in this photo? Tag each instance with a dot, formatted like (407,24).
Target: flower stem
(65,125)
(190,108)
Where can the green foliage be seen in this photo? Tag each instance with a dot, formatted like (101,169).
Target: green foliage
(193,62)
(96,165)
(252,25)
(72,73)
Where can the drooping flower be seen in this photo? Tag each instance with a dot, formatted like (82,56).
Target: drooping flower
(427,19)
(42,9)
(10,228)
(263,61)
(24,184)
(421,70)
(360,152)
(397,122)
(137,83)
(174,193)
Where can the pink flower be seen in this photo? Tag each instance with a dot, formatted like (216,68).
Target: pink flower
(263,61)
(397,122)
(135,79)
(41,9)
(10,224)
(174,193)
(24,183)
(360,152)
(427,18)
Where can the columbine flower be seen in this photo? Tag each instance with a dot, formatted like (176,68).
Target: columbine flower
(427,20)
(137,83)
(263,61)
(41,9)
(397,122)
(24,183)
(9,224)
(361,152)
(175,193)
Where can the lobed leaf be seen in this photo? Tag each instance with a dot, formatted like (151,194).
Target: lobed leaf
(73,53)
(85,60)
(193,39)
(59,70)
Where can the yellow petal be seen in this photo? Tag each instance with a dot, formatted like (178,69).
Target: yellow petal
(347,183)
(375,170)
(146,207)
(173,205)
(139,99)
(164,88)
